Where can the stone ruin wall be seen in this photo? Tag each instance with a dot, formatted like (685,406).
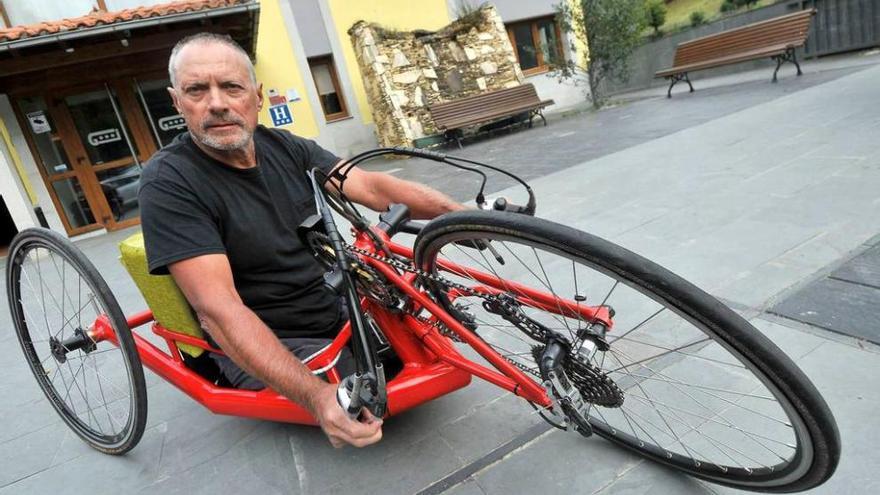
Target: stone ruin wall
(404,72)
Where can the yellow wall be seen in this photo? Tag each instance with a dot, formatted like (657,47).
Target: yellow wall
(579,40)
(404,15)
(16,160)
(277,68)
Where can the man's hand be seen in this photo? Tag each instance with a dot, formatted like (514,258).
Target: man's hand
(338,427)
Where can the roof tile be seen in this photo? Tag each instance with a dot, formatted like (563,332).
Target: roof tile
(97,18)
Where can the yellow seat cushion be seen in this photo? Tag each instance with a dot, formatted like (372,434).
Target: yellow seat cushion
(164,298)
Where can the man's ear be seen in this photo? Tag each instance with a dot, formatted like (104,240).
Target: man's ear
(259,96)
(173,93)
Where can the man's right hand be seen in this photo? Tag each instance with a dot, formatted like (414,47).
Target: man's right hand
(341,429)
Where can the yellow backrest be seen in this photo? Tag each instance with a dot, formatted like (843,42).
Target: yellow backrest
(164,298)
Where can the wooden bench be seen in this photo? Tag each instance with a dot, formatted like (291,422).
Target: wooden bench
(776,38)
(452,117)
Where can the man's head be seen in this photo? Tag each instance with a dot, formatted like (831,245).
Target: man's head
(214,87)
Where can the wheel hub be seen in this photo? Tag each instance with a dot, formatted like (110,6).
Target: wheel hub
(79,340)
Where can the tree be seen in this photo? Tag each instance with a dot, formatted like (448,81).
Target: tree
(611,30)
(655,15)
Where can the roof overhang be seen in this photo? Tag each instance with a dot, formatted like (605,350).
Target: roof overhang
(125,28)
(74,53)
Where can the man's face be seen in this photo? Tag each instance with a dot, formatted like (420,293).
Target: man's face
(216,96)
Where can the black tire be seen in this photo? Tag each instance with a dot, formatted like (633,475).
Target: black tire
(55,294)
(774,406)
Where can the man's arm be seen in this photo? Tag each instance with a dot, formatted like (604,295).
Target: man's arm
(377,191)
(207,283)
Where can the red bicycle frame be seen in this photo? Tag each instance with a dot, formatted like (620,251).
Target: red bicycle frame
(432,365)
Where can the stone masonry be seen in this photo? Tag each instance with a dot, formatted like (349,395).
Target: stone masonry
(404,72)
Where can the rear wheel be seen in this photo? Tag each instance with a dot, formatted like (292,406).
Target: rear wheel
(683,380)
(55,296)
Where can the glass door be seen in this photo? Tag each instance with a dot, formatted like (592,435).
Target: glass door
(92,147)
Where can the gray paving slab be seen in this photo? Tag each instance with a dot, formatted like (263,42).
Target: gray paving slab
(747,190)
(837,305)
(863,269)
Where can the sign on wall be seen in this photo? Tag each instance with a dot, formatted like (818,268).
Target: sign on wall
(280,115)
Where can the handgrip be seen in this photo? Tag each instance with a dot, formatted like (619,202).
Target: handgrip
(430,155)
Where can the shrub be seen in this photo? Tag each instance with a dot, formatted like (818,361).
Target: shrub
(655,15)
(745,3)
(729,6)
(697,18)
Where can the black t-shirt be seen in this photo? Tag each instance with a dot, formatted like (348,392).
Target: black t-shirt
(192,204)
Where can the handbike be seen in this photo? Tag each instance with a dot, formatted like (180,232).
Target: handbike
(595,338)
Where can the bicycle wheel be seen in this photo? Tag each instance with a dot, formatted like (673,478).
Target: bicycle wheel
(684,381)
(55,295)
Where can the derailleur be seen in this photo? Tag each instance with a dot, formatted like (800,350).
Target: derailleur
(562,392)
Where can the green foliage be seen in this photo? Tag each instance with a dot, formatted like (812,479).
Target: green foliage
(655,14)
(698,18)
(731,5)
(611,29)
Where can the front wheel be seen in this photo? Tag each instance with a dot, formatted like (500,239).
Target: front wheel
(55,297)
(679,378)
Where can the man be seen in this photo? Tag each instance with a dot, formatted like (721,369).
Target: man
(219,210)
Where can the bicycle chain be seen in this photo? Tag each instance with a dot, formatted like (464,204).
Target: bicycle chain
(594,385)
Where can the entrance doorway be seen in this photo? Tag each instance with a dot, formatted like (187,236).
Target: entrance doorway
(91,143)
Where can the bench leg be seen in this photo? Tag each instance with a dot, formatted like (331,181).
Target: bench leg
(778,65)
(795,62)
(453,135)
(788,56)
(674,79)
(540,113)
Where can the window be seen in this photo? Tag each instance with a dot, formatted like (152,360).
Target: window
(536,42)
(327,84)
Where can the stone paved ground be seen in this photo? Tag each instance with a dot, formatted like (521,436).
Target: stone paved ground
(751,190)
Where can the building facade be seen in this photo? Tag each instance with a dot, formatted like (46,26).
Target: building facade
(83,103)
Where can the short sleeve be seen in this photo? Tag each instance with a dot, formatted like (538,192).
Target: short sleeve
(176,225)
(313,155)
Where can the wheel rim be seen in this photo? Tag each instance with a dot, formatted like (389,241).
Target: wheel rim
(52,303)
(690,401)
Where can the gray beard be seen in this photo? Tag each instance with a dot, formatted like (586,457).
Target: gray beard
(210,142)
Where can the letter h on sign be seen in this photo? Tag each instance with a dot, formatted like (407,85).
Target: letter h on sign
(280,115)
